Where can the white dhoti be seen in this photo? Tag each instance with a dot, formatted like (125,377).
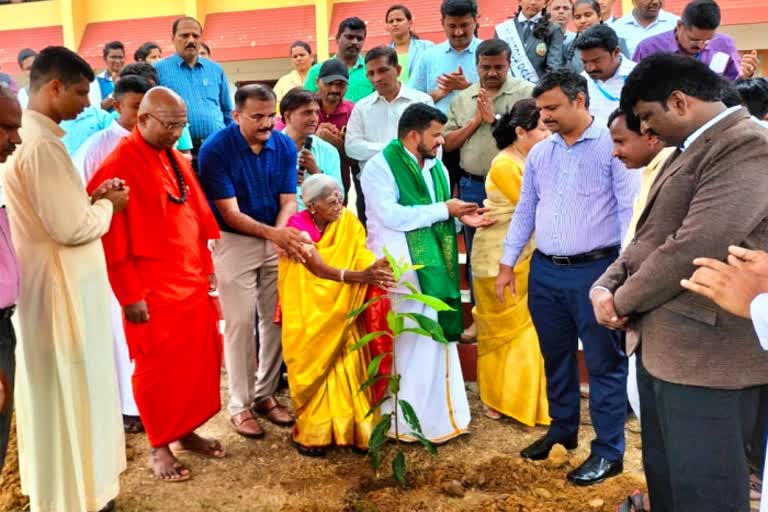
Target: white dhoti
(431,381)
(122,362)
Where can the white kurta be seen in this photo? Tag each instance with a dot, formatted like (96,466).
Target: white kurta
(71,442)
(431,378)
(88,159)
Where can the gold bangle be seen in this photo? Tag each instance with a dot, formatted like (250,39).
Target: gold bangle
(341,278)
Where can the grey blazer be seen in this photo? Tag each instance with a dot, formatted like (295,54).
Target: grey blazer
(704,199)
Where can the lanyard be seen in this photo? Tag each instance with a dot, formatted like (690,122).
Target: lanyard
(608,96)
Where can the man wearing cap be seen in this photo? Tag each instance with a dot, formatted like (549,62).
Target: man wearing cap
(332,84)
(25,59)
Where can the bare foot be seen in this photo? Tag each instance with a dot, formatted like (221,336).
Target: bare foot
(208,447)
(491,413)
(166,467)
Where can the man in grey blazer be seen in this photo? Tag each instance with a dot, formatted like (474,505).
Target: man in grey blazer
(700,369)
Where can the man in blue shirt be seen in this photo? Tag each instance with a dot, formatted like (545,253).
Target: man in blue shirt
(248,173)
(578,198)
(200,82)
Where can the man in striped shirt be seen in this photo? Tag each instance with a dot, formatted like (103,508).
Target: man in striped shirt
(200,82)
(578,199)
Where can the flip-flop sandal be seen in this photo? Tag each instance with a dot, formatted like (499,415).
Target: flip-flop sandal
(182,478)
(636,502)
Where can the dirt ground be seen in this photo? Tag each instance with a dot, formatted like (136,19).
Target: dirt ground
(480,471)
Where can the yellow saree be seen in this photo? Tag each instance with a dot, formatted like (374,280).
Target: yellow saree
(510,369)
(323,374)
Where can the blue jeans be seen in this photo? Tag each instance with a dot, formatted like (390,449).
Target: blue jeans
(471,191)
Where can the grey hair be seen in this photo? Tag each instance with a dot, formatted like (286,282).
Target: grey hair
(318,186)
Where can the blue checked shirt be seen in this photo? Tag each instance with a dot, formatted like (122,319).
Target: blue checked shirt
(577,199)
(204,88)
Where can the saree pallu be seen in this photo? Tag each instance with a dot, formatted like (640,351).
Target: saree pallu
(324,375)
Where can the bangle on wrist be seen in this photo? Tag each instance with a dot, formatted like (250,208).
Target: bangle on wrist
(341,276)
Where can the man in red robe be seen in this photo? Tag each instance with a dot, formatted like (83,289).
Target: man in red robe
(161,272)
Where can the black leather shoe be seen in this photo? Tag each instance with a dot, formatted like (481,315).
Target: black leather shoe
(540,449)
(594,470)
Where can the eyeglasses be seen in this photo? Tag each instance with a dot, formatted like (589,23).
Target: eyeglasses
(169,126)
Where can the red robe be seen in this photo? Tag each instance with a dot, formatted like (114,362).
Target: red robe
(156,251)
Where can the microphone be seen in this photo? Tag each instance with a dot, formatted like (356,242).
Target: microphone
(308,146)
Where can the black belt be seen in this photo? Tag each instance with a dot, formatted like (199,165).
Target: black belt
(7,313)
(474,177)
(586,257)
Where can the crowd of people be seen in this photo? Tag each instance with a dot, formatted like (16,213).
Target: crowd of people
(609,185)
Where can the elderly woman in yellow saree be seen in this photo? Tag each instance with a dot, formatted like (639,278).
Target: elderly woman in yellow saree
(316,296)
(510,368)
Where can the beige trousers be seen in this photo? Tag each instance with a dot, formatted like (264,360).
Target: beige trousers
(246,270)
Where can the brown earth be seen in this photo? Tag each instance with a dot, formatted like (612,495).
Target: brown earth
(481,471)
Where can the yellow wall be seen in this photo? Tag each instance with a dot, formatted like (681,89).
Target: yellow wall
(75,15)
(30,15)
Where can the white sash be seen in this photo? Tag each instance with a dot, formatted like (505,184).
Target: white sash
(521,66)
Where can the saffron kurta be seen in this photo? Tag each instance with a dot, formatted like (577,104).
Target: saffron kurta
(157,251)
(71,443)
(323,373)
(510,368)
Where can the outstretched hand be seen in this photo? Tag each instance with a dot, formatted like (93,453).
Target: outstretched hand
(477,219)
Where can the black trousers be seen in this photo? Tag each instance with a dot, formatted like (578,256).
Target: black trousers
(360,199)
(8,366)
(694,444)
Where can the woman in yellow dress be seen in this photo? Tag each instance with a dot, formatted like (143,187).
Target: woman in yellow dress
(510,368)
(301,60)
(316,295)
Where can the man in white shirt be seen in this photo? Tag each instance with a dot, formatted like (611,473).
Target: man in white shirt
(741,288)
(410,212)
(605,69)
(647,19)
(373,123)
(25,59)
(128,94)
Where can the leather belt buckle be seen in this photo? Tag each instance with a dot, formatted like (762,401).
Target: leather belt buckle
(561,260)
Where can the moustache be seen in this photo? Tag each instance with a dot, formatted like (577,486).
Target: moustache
(264,130)
(191,46)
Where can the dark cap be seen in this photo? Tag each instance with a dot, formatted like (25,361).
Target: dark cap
(25,54)
(332,70)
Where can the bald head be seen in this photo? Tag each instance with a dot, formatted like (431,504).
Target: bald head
(162,117)
(10,122)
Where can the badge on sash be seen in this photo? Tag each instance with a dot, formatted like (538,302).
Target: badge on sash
(541,49)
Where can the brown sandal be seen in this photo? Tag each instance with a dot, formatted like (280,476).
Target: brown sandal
(247,425)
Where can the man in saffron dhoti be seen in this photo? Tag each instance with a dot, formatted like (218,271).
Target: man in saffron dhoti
(411,214)
(161,272)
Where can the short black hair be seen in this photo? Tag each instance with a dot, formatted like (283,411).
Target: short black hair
(754,95)
(24,54)
(297,98)
(599,36)
(112,45)
(418,117)
(570,82)
(493,48)
(594,4)
(142,69)
(382,52)
(59,63)
(657,76)
(701,14)
(458,8)
(132,83)
(524,114)
(353,23)
(204,45)
(144,50)
(633,124)
(176,23)
(729,94)
(302,44)
(259,92)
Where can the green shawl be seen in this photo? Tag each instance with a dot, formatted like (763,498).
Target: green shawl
(434,247)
